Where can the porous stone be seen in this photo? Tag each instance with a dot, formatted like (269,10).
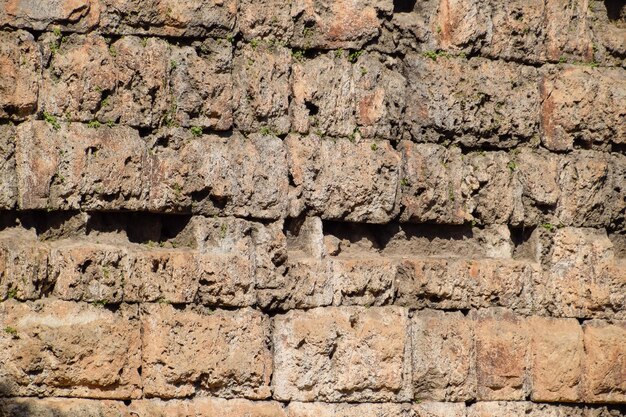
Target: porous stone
(265,19)
(502,355)
(219,352)
(340,354)
(443,356)
(23,266)
(44,345)
(369,178)
(207,407)
(8,181)
(20,69)
(297,409)
(61,407)
(71,15)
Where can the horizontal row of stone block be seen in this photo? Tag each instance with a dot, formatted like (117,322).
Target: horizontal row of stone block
(218,407)
(331,354)
(531,31)
(262,87)
(237,263)
(260,176)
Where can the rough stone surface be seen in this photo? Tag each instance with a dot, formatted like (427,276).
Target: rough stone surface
(349,354)
(20,66)
(605,362)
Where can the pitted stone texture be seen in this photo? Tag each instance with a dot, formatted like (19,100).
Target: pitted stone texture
(262,87)
(361,189)
(8,180)
(296,409)
(439,409)
(238,176)
(502,355)
(265,19)
(61,407)
(324,24)
(206,407)
(44,347)
(23,266)
(476,103)
(523,409)
(583,106)
(557,366)
(465,284)
(20,70)
(605,362)
(193,18)
(323,96)
(39,15)
(443,353)
(529,31)
(436,185)
(79,167)
(581,279)
(363,281)
(609,32)
(88,272)
(223,353)
(538,175)
(340,354)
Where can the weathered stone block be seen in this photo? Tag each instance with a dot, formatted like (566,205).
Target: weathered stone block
(580,280)
(605,362)
(61,407)
(83,271)
(340,354)
(194,18)
(207,407)
(583,106)
(557,349)
(262,88)
(45,345)
(20,70)
(72,15)
(23,266)
(362,189)
(344,24)
(502,355)
(223,353)
(296,409)
(365,282)
(266,19)
(477,102)
(443,356)
(8,181)
(439,409)
(79,167)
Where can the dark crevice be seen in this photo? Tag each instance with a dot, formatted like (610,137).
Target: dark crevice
(615,10)
(403,6)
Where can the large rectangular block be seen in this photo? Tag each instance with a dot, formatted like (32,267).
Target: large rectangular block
(557,366)
(139,82)
(79,167)
(57,348)
(502,355)
(363,281)
(341,354)
(296,409)
(62,407)
(195,18)
(207,407)
(20,70)
(220,352)
(583,106)
(605,362)
(8,181)
(475,102)
(443,356)
(23,266)
(361,189)
(40,15)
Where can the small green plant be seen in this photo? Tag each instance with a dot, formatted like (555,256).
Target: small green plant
(106,272)
(265,131)
(10,330)
(230,39)
(105,102)
(94,124)
(12,293)
(549,227)
(354,56)
(100,303)
(173,64)
(298,55)
(57,32)
(196,131)
(162,300)
(363,71)
(339,53)
(110,123)
(178,189)
(354,134)
(112,51)
(512,166)
(562,60)
(438,29)
(52,120)
(223,230)
(374,146)
(254,43)
(144,42)
(404,182)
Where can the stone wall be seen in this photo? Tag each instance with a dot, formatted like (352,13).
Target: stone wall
(314,208)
